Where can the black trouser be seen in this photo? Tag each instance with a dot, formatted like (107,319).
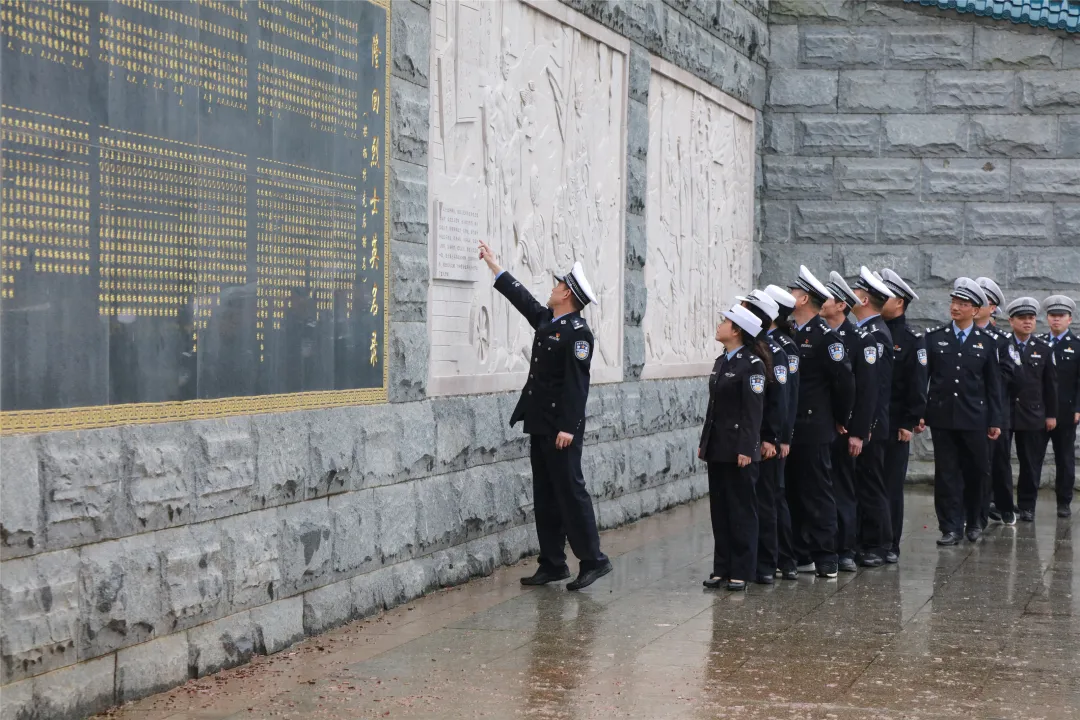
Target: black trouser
(1030,451)
(897,455)
(770,493)
(1001,475)
(563,506)
(875,522)
(1064,439)
(843,482)
(810,498)
(961,474)
(733,506)
(785,543)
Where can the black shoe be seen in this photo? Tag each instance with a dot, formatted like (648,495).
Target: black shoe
(765,579)
(1064,511)
(973,534)
(994,514)
(950,538)
(790,574)
(1027,515)
(714,582)
(586,578)
(736,585)
(543,577)
(826,569)
(871,560)
(848,565)
(891,557)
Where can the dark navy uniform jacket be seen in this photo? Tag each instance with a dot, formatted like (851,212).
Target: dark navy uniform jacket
(1008,370)
(775,420)
(877,329)
(863,352)
(907,404)
(964,380)
(553,399)
(1067,356)
(826,384)
(736,406)
(792,352)
(1035,393)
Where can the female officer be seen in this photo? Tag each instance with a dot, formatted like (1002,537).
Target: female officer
(731,445)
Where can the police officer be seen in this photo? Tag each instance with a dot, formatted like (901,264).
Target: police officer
(1001,507)
(780,330)
(846,448)
(552,410)
(963,409)
(773,431)
(826,396)
(1033,401)
(907,402)
(731,445)
(875,522)
(1059,314)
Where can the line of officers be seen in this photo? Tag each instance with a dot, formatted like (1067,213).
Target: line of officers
(818,486)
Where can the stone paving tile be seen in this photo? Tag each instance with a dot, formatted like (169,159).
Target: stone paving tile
(984,631)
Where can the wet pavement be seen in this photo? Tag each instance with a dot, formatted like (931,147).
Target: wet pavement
(980,631)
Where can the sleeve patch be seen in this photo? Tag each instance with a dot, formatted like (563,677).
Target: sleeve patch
(836,351)
(581,350)
(793,363)
(870,355)
(781,374)
(757,383)
(921,353)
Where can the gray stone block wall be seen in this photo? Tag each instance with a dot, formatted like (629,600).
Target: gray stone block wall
(935,143)
(135,558)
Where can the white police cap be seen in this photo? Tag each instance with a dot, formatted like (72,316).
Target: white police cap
(762,302)
(894,282)
(992,291)
(967,289)
(810,284)
(1023,306)
(1059,304)
(782,297)
(745,319)
(841,290)
(579,285)
(872,284)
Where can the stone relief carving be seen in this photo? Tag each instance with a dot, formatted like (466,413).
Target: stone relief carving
(699,218)
(528,130)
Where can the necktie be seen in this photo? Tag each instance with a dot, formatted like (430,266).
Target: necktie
(960,336)
(1053,341)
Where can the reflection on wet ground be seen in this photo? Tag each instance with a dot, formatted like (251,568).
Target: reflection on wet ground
(982,631)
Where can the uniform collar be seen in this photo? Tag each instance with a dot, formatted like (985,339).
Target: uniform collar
(1059,338)
(866,320)
(732,353)
(967,333)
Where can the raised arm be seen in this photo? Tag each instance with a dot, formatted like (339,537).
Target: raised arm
(512,290)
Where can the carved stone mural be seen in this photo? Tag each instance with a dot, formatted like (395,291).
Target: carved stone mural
(528,150)
(699,218)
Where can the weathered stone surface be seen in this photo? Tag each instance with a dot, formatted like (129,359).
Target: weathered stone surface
(1055,267)
(636,241)
(279,624)
(837,134)
(802,90)
(71,693)
(439,513)
(783,46)
(798,177)
(408,209)
(252,544)
(971,90)
(410,38)
(777,215)
(224,467)
(151,667)
(408,361)
(923,135)
(39,597)
(637,128)
(944,47)
(22,520)
(812,10)
(890,91)
(121,598)
(283,461)
(1009,223)
(901,260)
(835,222)
(1003,49)
(1046,179)
(877,177)
(966,179)
(633,352)
(354,528)
(634,296)
(306,545)
(408,281)
(396,508)
(889,12)
(840,47)
(636,181)
(915,223)
(1070,57)
(409,120)
(334,437)
(81,477)
(159,475)
(1069,133)
(1050,91)
(193,570)
(949,263)
(1067,223)
(736,26)
(328,607)
(780,132)
(1015,135)
(640,74)
(222,644)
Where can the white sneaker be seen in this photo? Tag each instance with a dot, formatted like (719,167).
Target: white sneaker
(808,568)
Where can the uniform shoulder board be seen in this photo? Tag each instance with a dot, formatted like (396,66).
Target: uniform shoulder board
(1008,334)
(577,323)
(935,329)
(755,359)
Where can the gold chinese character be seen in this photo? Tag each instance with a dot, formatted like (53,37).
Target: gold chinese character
(375,300)
(374,348)
(375,52)
(374,105)
(375,201)
(374,256)
(375,151)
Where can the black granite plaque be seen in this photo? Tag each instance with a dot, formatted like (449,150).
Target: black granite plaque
(194,208)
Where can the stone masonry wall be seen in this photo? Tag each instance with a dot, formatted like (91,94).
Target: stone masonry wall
(135,558)
(934,143)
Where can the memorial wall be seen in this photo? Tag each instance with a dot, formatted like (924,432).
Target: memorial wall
(193,218)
